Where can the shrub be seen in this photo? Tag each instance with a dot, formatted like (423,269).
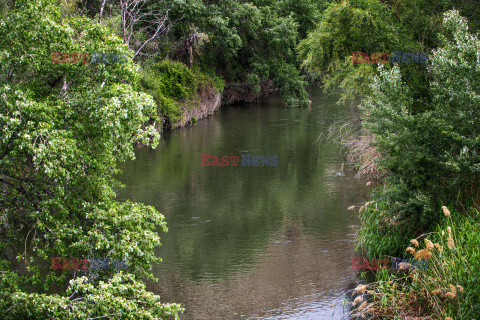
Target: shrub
(432,157)
(122,297)
(172,84)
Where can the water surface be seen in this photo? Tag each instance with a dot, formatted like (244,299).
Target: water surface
(253,242)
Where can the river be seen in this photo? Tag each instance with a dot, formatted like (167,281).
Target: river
(247,242)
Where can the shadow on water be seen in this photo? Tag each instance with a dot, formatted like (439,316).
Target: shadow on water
(253,242)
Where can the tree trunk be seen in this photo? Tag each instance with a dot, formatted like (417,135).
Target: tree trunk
(101,11)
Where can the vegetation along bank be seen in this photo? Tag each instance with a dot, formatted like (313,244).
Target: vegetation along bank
(65,124)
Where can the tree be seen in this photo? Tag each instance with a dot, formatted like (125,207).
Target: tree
(432,157)
(64,126)
(138,20)
(350,25)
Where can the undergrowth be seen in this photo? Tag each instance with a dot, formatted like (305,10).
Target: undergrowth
(176,88)
(448,288)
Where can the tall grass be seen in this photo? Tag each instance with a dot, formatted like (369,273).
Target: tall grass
(381,234)
(449,288)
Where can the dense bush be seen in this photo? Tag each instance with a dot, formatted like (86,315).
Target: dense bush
(248,42)
(432,157)
(122,297)
(172,83)
(347,26)
(428,135)
(64,127)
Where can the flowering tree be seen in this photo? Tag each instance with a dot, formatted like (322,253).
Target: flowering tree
(64,126)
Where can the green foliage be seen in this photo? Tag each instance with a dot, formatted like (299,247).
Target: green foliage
(376,26)
(254,43)
(64,127)
(172,83)
(426,126)
(459,265)
(421,20)
(305,12)
(430,154)
(455,265)
(380,235)
(248,42)
(293,91)
(243,41)
(121,297)
(347,26)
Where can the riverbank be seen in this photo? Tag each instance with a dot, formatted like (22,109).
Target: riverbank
(449,284)
(427,206)
(211,99)
(185,95)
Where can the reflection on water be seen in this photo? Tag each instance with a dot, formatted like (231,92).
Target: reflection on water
(252,242)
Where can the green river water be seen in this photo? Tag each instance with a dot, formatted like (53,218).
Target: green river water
(268,242)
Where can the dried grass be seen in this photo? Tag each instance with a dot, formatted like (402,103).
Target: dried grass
(362,152)
(359,146)
(431,291)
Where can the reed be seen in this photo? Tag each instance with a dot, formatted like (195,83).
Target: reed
(449,288)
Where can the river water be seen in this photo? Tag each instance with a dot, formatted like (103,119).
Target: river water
(268,242)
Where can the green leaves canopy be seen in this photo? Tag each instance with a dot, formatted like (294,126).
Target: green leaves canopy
(64,127)
(429,154)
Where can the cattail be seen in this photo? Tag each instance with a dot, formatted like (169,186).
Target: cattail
(460,288)
(410,250)
(439,247)
(446,212)
(356,301)
(451,243)
(404,266)
(450,295)
(428,244)
(453,289)
(423,254)
(362,306)
(360,289)
(351,208)
(414,242)
(437,292)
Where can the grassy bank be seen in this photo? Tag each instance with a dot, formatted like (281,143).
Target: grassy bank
(182,95)
(449,286)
